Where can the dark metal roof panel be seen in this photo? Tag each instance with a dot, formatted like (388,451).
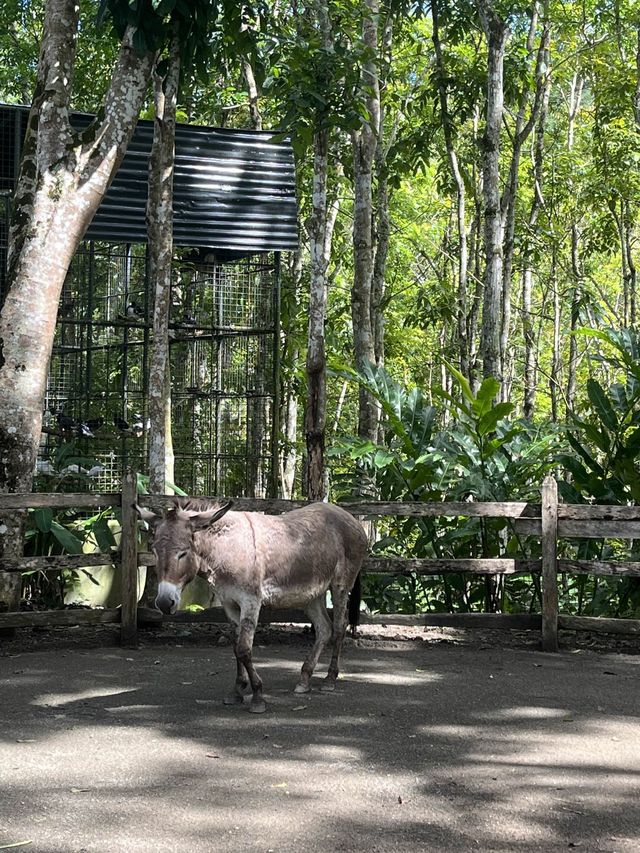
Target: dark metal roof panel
(233,189)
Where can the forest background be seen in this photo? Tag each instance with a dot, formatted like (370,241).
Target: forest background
(460,318)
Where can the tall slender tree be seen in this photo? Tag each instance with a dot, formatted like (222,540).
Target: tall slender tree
(166,79)
(364,143)
(496,33)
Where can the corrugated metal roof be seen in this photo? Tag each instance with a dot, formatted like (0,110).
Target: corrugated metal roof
(233,189)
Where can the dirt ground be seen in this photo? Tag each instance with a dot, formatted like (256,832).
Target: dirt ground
(435,740)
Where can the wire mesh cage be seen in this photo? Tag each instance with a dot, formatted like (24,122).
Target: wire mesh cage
(235,191)
(223,372)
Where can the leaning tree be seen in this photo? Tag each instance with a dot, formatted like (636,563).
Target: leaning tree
(63,177)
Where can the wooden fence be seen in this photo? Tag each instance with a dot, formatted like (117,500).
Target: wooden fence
(549,520)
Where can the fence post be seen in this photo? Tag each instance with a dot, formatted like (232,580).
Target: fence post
(129,562)
(549,543)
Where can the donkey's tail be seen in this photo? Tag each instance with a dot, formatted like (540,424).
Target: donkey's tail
(354,604)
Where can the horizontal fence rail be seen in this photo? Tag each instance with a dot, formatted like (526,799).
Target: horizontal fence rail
(548,521)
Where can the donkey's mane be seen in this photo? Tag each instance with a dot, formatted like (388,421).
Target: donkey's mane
(195,504)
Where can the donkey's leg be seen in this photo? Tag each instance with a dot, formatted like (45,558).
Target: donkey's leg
(317,612)
(240,687)
(244,645)
(242,679)
(339,598)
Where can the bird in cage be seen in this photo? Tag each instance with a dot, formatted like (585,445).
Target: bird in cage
(139,425)
(120,424)
(134,311)
(176,296)
(83,430)
(95,424)
(66,424)
(188,319)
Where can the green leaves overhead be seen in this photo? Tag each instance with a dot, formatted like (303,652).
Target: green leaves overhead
(206,28)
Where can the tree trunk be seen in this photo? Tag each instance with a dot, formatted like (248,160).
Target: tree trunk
(382,220)
(254,96)
(575,97)
(544,86)
(289,418)
(383,231)
(631,266)
(62,180)
(364,143)
(496,32)
(462,254)
(160,231)
(556,358)
(315,412)
(475,272)
(576,296)
(522,130)
(320,242)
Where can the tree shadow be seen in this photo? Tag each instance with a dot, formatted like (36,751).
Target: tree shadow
(432,748)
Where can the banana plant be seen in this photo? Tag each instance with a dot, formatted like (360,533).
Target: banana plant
(605,465)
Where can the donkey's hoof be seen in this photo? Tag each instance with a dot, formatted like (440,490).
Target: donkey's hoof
(328,685)
(301,687)
(234,699)
(257,706)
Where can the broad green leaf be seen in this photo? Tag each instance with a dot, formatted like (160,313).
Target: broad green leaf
(462,381)
(43,518)
(602,404)
(69,541)
(383,458)
(575,467)
(103,535)
(440,392)
(618,395)
(486,396)
(632,443)
(488,421)
(582,451)
(598,437)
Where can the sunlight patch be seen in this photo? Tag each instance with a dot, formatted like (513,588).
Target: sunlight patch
(524,712)
(48,700)
(393,678)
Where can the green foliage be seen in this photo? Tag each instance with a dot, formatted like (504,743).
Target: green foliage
(206,29)
(604,468)
(479,454)
(142,486)
(52,532)
(317,87)
(605,441)
(67,531)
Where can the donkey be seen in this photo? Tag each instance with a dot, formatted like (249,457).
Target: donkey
(253,560)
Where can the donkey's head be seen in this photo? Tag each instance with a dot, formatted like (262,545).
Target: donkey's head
(172,544)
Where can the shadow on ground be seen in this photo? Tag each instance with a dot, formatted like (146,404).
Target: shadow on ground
(426,746)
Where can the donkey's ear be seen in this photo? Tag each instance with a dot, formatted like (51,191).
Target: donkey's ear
(202,520)
(147,515)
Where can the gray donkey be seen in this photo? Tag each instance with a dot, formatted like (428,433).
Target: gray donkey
(252,560)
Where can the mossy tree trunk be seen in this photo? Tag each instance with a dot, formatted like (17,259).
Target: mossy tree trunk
(62,180)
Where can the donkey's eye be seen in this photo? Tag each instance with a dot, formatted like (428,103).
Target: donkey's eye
(182,555)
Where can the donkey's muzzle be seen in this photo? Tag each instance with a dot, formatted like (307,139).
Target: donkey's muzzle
(168,597)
